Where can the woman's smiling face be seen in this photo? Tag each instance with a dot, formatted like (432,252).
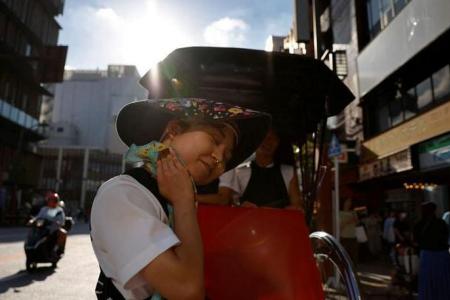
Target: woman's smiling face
(204,148)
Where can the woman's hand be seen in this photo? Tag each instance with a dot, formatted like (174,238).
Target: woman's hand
(174,181)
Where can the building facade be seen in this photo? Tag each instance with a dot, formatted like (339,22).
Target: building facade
(83,149)
(393,55)
(86,104)
(29,58)
(404,87)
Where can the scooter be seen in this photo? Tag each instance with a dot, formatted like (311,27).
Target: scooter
(40,244)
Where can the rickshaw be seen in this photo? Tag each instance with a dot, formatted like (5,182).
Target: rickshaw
(253,253)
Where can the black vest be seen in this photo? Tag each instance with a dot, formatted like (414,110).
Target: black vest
(105,289)
(266,187)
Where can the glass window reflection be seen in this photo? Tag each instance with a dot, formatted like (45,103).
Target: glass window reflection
(441,84)
(13,115)
(399,4)
(396,110)
(384,120)
(410,103)
(424,93)
(5,109)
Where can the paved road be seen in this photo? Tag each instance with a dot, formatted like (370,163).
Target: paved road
(74,278)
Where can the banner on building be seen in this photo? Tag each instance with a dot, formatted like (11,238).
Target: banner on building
(435,154)
(396,163)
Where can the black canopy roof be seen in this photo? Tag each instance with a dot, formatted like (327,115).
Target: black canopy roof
(297,90)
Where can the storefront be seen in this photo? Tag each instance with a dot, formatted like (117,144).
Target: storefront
(404,180)
(408,164)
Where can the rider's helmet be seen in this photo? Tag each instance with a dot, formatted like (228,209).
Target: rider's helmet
(52,199)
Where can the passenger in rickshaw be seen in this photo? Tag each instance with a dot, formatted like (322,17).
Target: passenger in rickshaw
(265,181)
(183,142)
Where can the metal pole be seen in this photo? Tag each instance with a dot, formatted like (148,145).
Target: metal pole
(316,29)
(336,199)
(58,169)
(84,178)
(336,214)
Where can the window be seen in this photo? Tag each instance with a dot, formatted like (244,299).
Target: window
(381,12)
(399,4)
(399,103)
(373,11)
(387,12)
(410,103)
(340,61)
(383,118)
(396,110)
(424,93)
(441,84)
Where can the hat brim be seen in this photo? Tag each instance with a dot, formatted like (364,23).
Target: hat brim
(141,122)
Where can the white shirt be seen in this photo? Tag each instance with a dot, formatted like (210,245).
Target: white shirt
(237,179)
(56,215)
(129,230)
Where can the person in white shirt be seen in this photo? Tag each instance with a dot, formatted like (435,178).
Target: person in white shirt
(182,142)
(264,181)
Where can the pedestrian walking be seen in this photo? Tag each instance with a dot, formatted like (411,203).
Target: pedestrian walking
(372,224)
(389,236)
(348,221)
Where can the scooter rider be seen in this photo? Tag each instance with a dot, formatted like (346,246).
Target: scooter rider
(53,212)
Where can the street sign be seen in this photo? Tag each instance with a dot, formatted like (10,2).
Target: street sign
(335,147)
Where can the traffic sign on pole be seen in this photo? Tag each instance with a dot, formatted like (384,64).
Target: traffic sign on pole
(334,148)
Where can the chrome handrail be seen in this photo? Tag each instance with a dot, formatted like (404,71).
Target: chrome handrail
(329,247)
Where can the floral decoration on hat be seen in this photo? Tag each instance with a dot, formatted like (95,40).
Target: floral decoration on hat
(192,107)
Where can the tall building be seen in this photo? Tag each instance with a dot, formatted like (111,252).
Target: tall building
(404,87)
(86,104)
(29,58)
(83,149)
(396,62)
(393,55)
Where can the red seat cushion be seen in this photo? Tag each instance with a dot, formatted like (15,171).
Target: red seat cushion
(257,253)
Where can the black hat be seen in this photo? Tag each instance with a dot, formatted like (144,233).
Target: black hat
(297,91)
(143,121)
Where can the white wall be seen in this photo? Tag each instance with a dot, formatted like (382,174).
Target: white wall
(91,106)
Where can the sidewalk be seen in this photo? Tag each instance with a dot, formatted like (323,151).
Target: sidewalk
(375,280)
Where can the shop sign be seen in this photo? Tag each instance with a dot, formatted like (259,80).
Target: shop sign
(435,153)
(416,130)
(392,164)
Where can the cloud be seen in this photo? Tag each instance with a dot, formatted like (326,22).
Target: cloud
(226,32)
(107,35)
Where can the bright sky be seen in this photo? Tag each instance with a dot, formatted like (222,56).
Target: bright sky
(142,32)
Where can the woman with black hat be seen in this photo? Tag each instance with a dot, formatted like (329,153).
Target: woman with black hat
(181,143)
